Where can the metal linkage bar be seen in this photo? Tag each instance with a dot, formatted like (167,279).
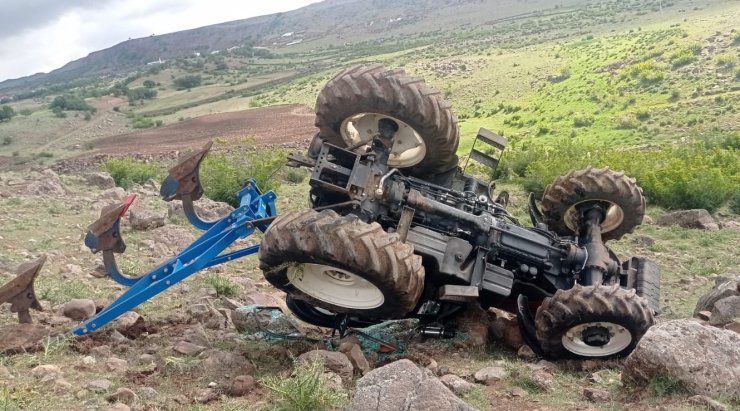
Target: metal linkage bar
(205,252)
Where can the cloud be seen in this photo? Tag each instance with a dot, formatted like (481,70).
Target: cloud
(43,35)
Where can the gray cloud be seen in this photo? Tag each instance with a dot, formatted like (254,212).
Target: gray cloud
(18,17)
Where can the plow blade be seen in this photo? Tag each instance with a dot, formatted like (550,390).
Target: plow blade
(19,291)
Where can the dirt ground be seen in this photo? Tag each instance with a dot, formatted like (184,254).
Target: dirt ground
(277,125)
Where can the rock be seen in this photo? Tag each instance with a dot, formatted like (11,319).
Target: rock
(401,385)
(46,372)
(62,385)
(88,361)
(590,365)
(596,395)
(475,322)
(332,360)
(116,364)
(225,361)
(146,358)
(543,380)
(525,352)
(79,309)
(643,240)
(148,393)
(332,381)
(186,348)
(734,326)
(48,185)
(490,375)
(505,327)
(356,357)
(101,351)
(123,395)
(703,315)
(704,359)
(18,338)
(127,319)
(725,310)
(172,236)
(117,338)
(205,396)
(119,406)
(458,385)
(144,219)
(708,403)
(206,208)
(725,286)
(245,320)
(698,218)
(196,335)
(99,385)
(115,193)
(241,386)
(100,180)
(199,311)
(5,374)
(518,392)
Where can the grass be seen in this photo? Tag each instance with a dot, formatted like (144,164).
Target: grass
(663,385)
(127,171)
(304,390)
(222,285)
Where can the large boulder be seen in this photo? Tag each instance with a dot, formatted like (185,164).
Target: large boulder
(47,184)
(402,385)
(704,359)
(333,361)
(698,218)
(206,208)
(100,180)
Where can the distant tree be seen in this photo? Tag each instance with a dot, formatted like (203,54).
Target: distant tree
(70,102)
(6,113)
(140,93)
(187,82)
(149,84)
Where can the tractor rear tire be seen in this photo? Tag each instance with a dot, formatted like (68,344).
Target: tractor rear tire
(568,322)
(621,193)
(374,90)
(342,264)
(322,318)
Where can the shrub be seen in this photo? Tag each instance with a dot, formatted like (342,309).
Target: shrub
(662,385)
(685,56)
(646,72)
(627,122)
(735,202)
(70,103)
(6,113)
(127,171)
(295,175)
(222,176)
(222,285)
(149,84)
(582,120)
(7,140)
(188,82)
(140,93)
(142,122)
(305,390)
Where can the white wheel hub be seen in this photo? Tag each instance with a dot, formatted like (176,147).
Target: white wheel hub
(408,146)
(335,286)
(610,339)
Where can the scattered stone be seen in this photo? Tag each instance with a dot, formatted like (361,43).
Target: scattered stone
(223,361)
(332,381)
(144,219)
(47,186)
(186,348)
(703,315)
(241,386)
(505,327)
(21,338)
(46,372)
(475,323)
(148,393)
(100,180)
(703,359)
(146,358)
(643,240)
(115,193)
(205,396)
(590,365)
(101,351)
(698,218)
(196,335)
(458,385)
(403,385)
(123,395)
(518,392)
(708,403)
(332,360)
(725,310)
(99,385)
(127,319)
(62,385)
(547,366)
(543,380)
(118,407)
(251,321)
(596,395)
(525,352)
(212,384)
(5,374)
(734,326)
(356,357)
(116,364)
(79,309)
(88,361)
(206,208)
(230,303)
(117,338)
(181,399)
(725,286)
(490,375)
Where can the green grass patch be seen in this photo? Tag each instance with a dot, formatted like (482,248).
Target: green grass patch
(223,176)
(304,390)
(663,385)
(222,285)
(127,171)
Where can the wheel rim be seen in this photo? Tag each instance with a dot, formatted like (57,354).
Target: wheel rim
(335,286)
(408,146)
(613,218)
(596,339)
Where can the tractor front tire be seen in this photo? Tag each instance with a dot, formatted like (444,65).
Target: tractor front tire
(623,197)
(594,322)
(342,264)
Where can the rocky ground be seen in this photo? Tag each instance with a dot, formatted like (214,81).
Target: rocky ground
(196,346)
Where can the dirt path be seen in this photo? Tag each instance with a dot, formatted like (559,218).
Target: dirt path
(277,125)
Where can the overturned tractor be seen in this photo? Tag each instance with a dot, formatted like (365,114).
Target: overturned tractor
(395,228)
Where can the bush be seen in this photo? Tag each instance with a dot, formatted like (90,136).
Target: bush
(222,176)
(735,202)
(127,171)
(7,140)
(305,390)
(140,93)
(295,175)
(70,103)
(149,84)
(142,122)
(6,113)
(188,82)
(582,120)
(627,122)
(222,285)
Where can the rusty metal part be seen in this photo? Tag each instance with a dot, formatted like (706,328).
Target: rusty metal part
(404,223)
(19,291)
(185,177)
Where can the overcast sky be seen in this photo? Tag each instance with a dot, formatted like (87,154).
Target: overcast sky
(42,35)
